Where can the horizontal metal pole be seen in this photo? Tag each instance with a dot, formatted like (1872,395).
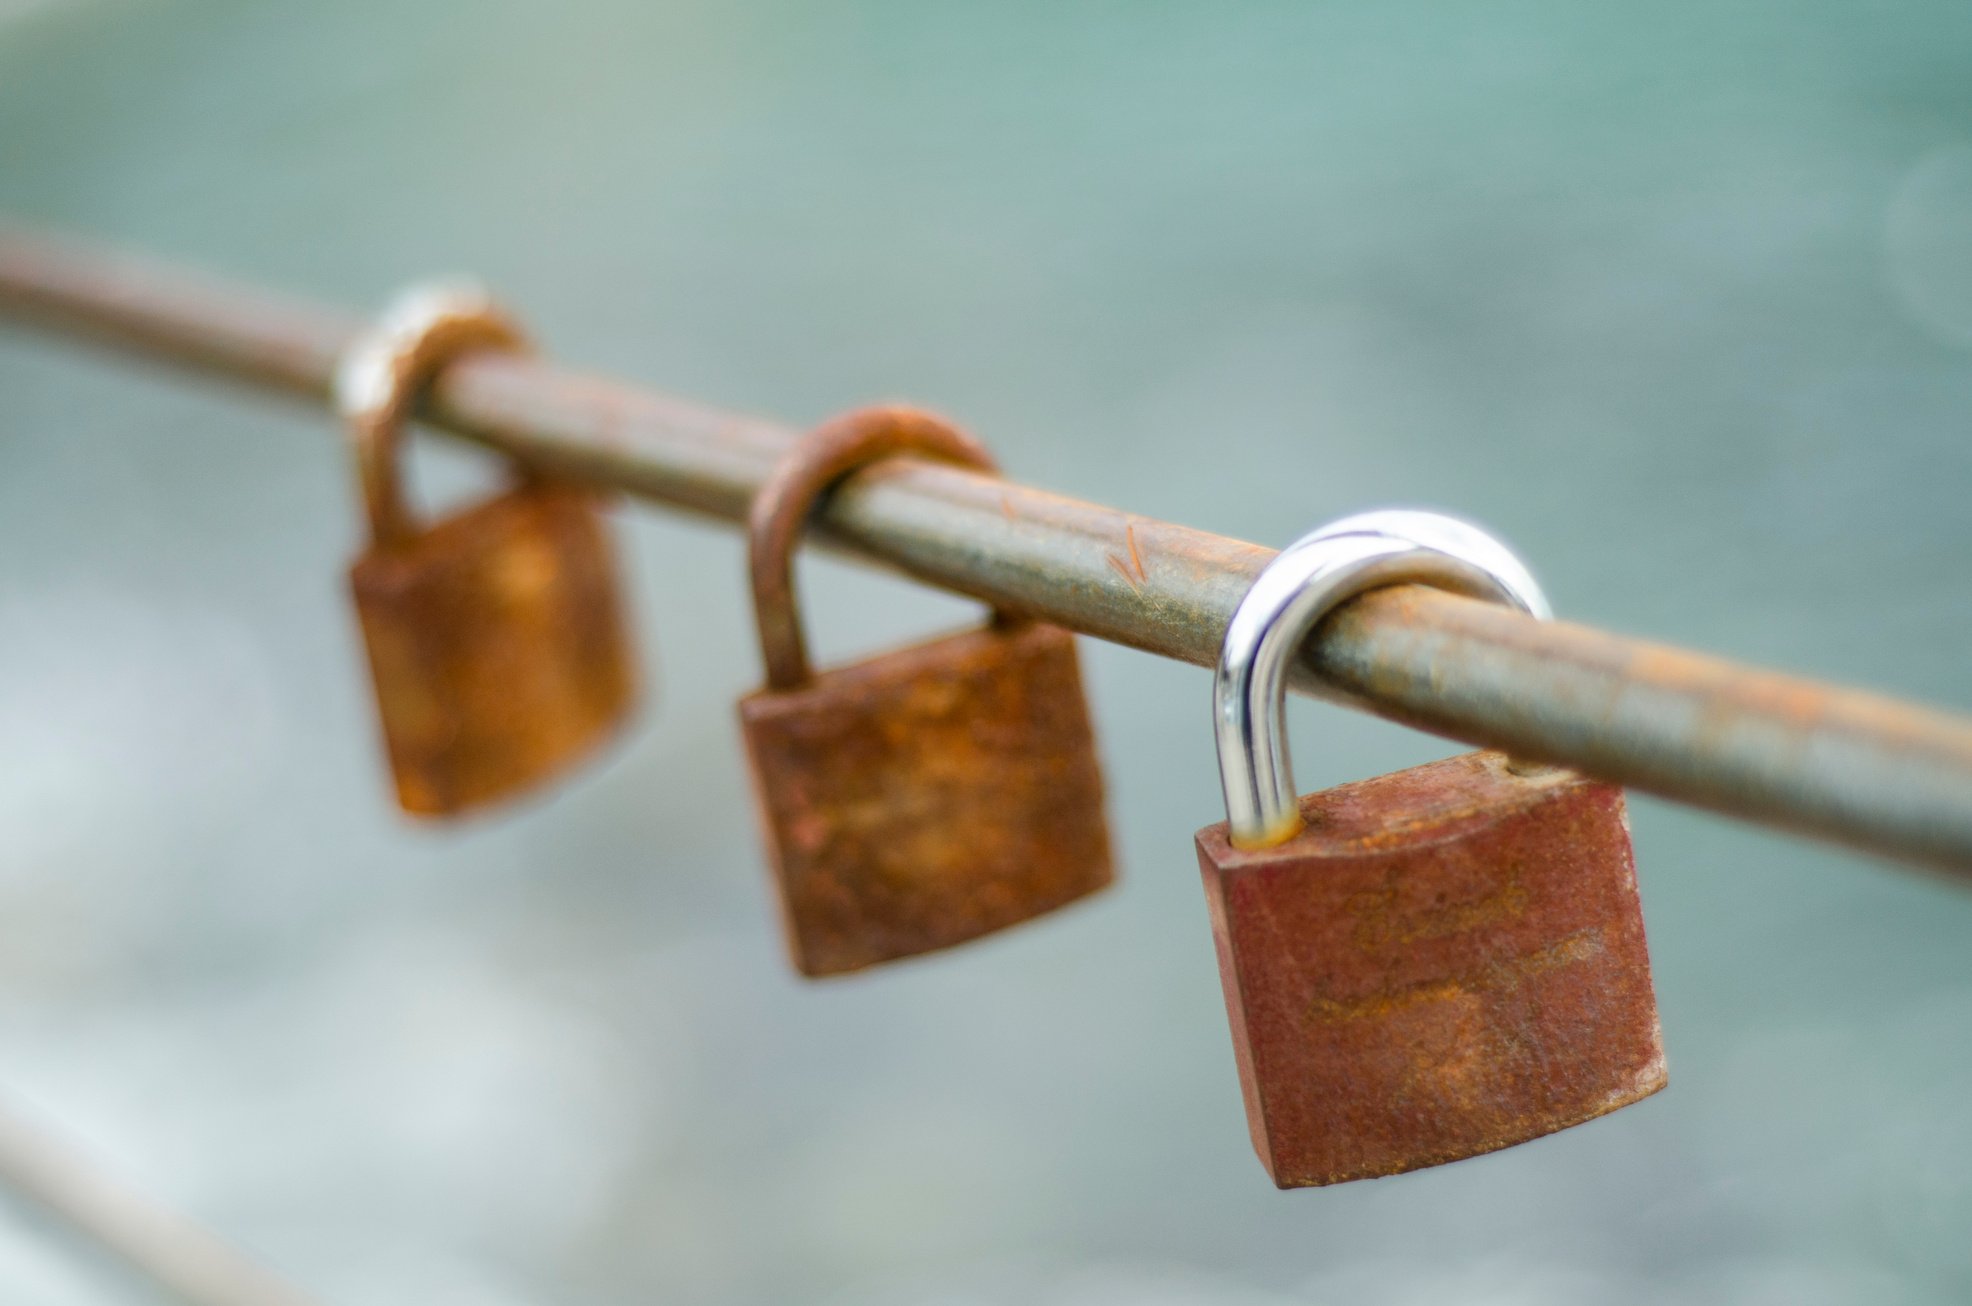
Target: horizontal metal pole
(178,1256)
(1821,760)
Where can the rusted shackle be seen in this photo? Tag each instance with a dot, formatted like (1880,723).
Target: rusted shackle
(780,512)
(387,370)
(1430,964)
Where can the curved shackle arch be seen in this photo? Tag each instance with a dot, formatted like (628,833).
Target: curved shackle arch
(811,467)
(387,368)
(1304,583)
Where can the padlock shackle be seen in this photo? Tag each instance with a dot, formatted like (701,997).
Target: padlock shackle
(811,466)
(1304,583)
(388,367)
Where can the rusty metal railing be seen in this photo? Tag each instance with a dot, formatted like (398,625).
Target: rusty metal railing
(1817,759)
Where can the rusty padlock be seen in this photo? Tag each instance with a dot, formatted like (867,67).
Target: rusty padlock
(1430,964)
(496,637)
(926,796)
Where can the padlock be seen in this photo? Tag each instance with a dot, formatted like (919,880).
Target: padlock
(496,637)
(926,796)
(1431,964)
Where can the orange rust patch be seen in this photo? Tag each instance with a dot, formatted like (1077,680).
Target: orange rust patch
(928,796)
(498,649)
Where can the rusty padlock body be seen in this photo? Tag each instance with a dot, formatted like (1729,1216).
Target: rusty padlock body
(923,797)
(1432,964)
(496,639)
(497,647)
(1446,961)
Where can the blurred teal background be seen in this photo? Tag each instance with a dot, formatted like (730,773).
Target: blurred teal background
(1678,299)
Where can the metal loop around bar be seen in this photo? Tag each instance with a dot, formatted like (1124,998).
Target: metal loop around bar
(1303,584)
(385,370)
(815,463)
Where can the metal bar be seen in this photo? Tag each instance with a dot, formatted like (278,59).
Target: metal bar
(180,1257)
(1817,759)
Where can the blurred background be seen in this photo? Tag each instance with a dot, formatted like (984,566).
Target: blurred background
(1679,300)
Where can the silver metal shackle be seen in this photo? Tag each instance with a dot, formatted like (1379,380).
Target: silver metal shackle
(1303,584)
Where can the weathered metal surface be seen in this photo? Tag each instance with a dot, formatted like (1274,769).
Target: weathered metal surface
(928,796)
(1830,762)
(1448,960)
(497,647)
